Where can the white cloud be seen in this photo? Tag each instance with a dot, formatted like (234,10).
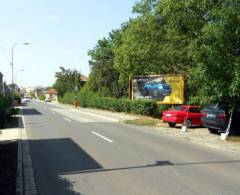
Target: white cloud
(54,17)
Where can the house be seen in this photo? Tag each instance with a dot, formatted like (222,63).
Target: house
(39,91)
(83,80)
(52,94)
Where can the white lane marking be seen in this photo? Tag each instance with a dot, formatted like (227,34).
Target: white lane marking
(53,112)
(101,136)
(67,119)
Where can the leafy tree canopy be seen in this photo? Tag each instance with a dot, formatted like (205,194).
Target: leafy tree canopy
(66,80)
(213,31)
(103,77)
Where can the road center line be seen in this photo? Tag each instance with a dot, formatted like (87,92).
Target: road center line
(67,119)
(101,136)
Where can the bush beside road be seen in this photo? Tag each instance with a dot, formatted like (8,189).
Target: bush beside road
(92,100)
(8,150)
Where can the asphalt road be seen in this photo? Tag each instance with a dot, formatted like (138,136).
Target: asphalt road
(76,153)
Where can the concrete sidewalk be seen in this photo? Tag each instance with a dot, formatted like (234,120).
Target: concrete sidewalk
(25,182)
(9,134)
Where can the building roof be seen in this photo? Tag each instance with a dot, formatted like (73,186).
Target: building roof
(83,78)
(51,91)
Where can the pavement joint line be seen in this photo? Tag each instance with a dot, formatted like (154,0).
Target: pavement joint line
(67,119)
(103,137)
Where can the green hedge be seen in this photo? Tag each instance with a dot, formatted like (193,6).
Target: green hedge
(4,105)
(92,100)
(42,97)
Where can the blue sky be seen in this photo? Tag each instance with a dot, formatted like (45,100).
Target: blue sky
(60,32)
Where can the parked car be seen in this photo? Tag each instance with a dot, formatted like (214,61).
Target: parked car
(25,100)
(158,90)
(191,115)
(215,118)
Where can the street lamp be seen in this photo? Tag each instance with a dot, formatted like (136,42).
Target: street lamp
(14,45)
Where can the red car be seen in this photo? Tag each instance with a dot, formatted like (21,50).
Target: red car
(180,114)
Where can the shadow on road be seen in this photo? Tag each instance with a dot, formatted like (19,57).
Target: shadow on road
(30,111)
(51,157)
(156,164)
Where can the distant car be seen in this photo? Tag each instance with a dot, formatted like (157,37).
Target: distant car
(24,101)
(27,98)
(191,115)
(215,118)
(158,90)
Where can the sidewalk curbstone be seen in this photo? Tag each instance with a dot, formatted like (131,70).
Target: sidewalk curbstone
(19,180)
(25,176)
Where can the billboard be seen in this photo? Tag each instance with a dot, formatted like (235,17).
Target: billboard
(167,89)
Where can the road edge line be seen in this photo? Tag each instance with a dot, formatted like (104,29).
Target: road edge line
(67,119)
(95,115)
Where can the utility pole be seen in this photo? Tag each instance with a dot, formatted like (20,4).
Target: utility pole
(14,45)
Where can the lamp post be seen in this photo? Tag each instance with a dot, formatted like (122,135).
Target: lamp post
(14,45)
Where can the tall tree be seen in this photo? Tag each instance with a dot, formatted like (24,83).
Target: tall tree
(66,80)
(149,47)
(213,31)
(103,77)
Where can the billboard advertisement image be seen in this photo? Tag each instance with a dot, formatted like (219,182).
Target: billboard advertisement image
(167,89)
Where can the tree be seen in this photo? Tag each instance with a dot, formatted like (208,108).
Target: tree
(103,77)
(66,81)
(149,46)
(213,32)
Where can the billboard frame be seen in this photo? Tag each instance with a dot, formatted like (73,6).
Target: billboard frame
(131,88)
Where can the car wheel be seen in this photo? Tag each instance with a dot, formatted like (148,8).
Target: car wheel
(188,123)
(171,124)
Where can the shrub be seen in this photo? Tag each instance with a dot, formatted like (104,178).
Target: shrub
(42,97)
(93,100)
(17,98)
(4,106)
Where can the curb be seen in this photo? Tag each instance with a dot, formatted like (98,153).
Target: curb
(19,180)
(25,177)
